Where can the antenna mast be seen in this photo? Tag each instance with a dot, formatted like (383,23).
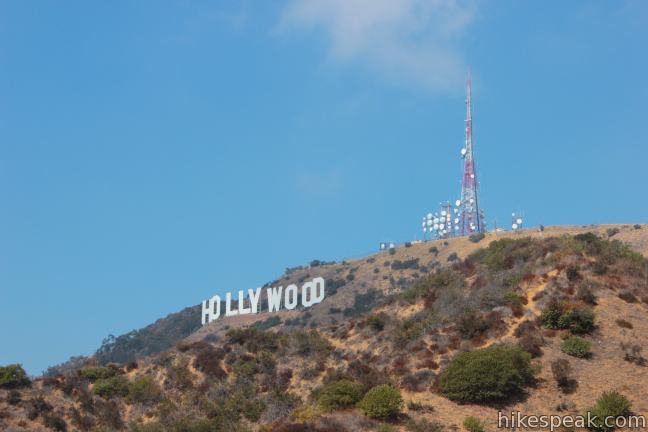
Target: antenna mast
(471,218)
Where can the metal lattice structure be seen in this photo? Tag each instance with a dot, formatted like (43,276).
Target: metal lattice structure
(471,218)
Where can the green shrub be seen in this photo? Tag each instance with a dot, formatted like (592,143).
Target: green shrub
(144,389)
(487,374)
(609,405)
(477,237)
(109,387)
(561,316)
(576,346)
(94,373)
(381,402)
(340,394)
(473,424)
(13,376)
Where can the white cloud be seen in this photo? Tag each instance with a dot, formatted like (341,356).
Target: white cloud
(412,42)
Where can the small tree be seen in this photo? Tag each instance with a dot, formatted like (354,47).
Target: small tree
(13,376)
(382,402)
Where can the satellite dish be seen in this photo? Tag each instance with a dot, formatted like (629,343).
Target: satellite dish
(472,200)
(463,152)
(424,229)
(443,213)
(519,221)
(429,215)
(472,175)
(515,226)
(436,226)
(423,224)
(458,203)
(456,220)
(513,214)
(429,222)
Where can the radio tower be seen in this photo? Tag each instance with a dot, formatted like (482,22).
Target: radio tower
(470,215)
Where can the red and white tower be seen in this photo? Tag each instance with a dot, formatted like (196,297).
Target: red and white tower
(471,219)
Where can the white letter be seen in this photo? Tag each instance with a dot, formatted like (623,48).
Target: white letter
(228,306)
(241,304)
(208,314)
(320,291)
(254,299)
(274,298)
(291,291)
(313,292)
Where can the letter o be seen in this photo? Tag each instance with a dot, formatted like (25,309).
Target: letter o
(290,297)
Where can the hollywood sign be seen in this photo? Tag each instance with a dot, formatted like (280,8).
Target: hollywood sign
(312,292)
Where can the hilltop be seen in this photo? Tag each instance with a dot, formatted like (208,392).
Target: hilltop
(403,320)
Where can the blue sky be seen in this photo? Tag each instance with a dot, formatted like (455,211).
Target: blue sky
(155,153)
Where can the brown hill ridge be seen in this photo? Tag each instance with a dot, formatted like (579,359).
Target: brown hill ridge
(400,322)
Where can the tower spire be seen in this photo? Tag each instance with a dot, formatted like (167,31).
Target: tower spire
(471,219)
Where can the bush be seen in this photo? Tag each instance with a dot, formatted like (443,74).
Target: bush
(584,293)
(453,257)
(632,354)
(471,324)
(487,374)
(267,323)
(340,394)
(376,322)
(381,402)
(576,346)
(423,425)
(477,237)
(109,387)
(144,389)
(473,424)
(611,232)
(561,316)
(609,405)
(561,370)
(13,376)
(94,373)
(54,423)
(407,264)
(13,397)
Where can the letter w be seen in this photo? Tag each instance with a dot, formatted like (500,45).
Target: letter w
(274,298)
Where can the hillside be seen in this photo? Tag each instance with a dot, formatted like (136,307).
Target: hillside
(407,319)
